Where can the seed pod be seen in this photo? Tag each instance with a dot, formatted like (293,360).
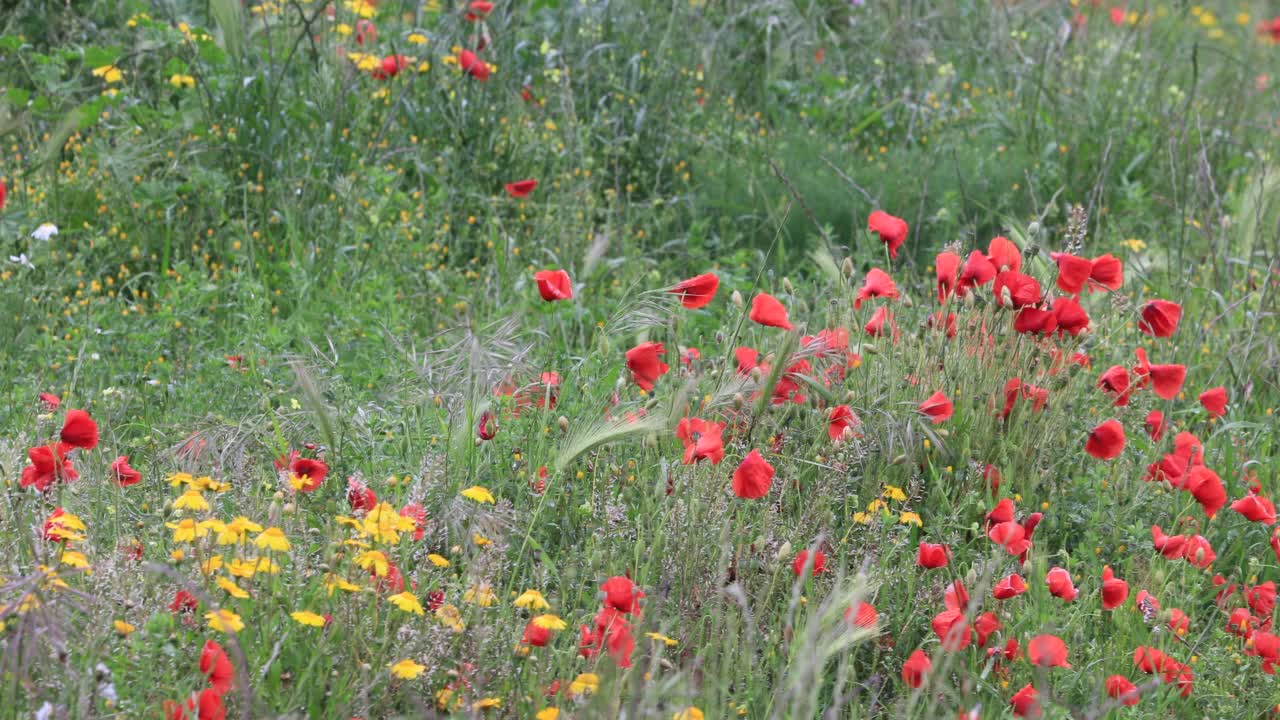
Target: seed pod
(736,297)
(738,401)
(786,285)
(847,267)
(563,423)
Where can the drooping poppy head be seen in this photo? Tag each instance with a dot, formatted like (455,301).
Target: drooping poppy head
(1060,585)
(1215,401)
(932,556)
(1156,425)
(48,465)
(768,311)
(79,430)
(1106,272)
(1115,382)
(1256,508)
(802,563)
(1160,318)
(473,65)
(877,284)
(875,327)
(1206,487)
(217,667)
(1069,316)
(1073,272)
(947,268)
(521,188)
(553,285)
(915,668)
(123,474)
(892,230)
(1004,254)
(1047,651)
(1106,441)
(937,408)
(645,363)
(1166,380)
(752,478)
(1119,687)
(1114,590)
(697,291)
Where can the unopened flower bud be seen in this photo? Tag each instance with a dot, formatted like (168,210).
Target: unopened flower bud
(736,297)
(786,285)
(563,423)
(846,267)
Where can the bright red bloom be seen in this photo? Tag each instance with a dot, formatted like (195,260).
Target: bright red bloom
(1115,382)
(766,310)
(841,423)
(977,270)
(1001,513)
(1114,590)
(752,478)
(1178,621)
(1073,272)
(1199,552)
(1166,380)
(418,514)
(3,193)
(311,472)
(184,602)
(1011,535)
(788,388)
(864,615)
(932,556)
(1047,651)
(952,630)
(215,665)
(702,440)
(697,291)
(1160,318)
(1215,401)
(1004,254)
(1262,598)
(79,430)
(1206,487)
(1156,425)
(801,563)
(1152,660)
(1060,584)
(535,635)
(645,363)
(1069,316)
(955,597)
(748,360)
(892,230)
(875,326)
(50,401)
(1256,508)
(1119,687)
(1026,703)
(621,594)
(478,9)
(915,668)
(473,65)
(206,705)
(360,496)
(947,268)
(366,31)
(876,284)
(1106,271)
(986,624)
(945,321)
(390,66)
(48,464)
(1016,290)
(122,473)
(937,407)
(1010,586)
(553,285)
(1106,441)
(521,188)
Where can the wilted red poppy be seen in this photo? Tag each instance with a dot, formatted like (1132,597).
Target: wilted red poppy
(752,478)
(1013,289)
(122,473)
(1206,487)
(947,268)
(1106,441)
(1256,508)
(977,270)
(311,472)
(1215,401)
(1060,585)
(915,668)
(955,597)
(1010,586)
(841,423)
(478,9)
(366,32)
(1160,318)
(1106,271)
(932,556)
(864,615)
(79,430)
(1004,254)
(937,407)
(766,310)
(876,284)
(48,464)
(1073,272)
(487,426)
(702,440)
(1047,651)
(360,497)
(892,230)
(645,363)
(1114,590)
(1119,687)
(521,188)
(553,285)
(801,563)
(697,291)
(184,602)
(621,594)
(473,65)
(217,667)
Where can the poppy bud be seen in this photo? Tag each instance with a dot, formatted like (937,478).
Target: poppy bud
(846,267)
(736,297)
(907,302)
(738,401)
(720,337)
(786,285)
(479,442)
(604,344)
(784,552)
(848,397)
(899,460)
(869,349)
(1006,297)
(755,373)
(289,508)
(651,441)
(563,422)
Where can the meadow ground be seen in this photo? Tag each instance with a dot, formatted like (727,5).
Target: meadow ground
(585,358)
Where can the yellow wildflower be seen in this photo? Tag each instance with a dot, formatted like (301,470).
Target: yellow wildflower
(306,617)
(416,39)
(232,589)
(661,638)
(480,540)
(479,494)
(584,683)
(550,622)
(438,561)
(548,714)
(407,669)
(123,629)
(689,713)
(334,582)
(407,602)
(532,600)
(75,559)
(272,539)
(481,595)
(910,518)
(374,561)
(224,621)
(109,74)
(192,499)
(486,703)
(451,618)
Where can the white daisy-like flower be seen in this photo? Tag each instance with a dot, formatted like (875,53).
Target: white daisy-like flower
(45,231)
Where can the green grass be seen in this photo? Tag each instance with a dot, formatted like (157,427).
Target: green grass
(348,244)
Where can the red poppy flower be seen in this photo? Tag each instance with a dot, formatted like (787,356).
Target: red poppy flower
(487,425)
(535,635)
(1114,590)
(1262,598)
(1106,271)
(1115,382)
(553,285)
(955,597)
(1178,621)
(952,630)
(1206,487)
(1156,425)
(799,565)
(1069,316)
(206,705)
(892,230)
(1166,380)
(1073,272)
(864,615)
(79,430)
(947,268)
(1256,508)
(1047,651)
(1106,441)
(932,556)
(3,193)
(1011,535)
(621,594)
(215,665)
(366,31)
(977,270)
(766,310)
(748,359)
(752,478)
(1199,552)
(390,66)
(1010,586)
(1270,27)
(991,474)
(50,401)
(473,65)
(122,473)
(479,9)
(1035,321)
(702,440)
(311,472)
(915,668)
(1004,254)
(788,387)
(875,326)
(1001,513)
(986,624)
(946,321)
(521,188)
(418,514)
(1152,660)
(1215,401)
(1016,290)
(48,464)
(841,423)
(645,363)
(1160,318)
(1060,585)
(697,291)
(1170,546)
(184,602)
(937,407)
(1119,687)
(360,497)
(876,284)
